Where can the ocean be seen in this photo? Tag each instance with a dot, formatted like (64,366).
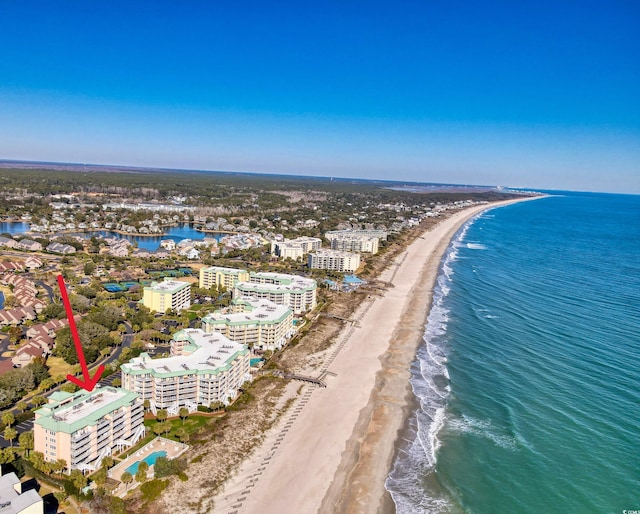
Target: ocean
(527,385)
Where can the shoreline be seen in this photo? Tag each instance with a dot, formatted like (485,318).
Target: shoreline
(344,438)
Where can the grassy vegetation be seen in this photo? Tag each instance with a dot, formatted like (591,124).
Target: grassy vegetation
(57,366)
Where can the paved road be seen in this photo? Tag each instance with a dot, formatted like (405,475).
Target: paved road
(47,288)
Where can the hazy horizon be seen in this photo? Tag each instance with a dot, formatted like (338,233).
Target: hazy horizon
(539,96)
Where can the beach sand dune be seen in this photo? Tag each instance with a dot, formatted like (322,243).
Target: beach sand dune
(333,452)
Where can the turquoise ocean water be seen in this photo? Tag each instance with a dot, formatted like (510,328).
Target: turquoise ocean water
(528,383)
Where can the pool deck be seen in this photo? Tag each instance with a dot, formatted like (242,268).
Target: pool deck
(173,448)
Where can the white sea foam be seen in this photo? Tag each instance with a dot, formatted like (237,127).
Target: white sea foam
(430,384)
(476,246)
(484,429)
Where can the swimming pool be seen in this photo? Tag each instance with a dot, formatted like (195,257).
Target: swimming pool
(149,459)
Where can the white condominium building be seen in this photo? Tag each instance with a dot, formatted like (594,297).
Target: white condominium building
(351,243)
(169,294)
(380,234)
(255,322)
(295,248)
(334,260)
(203,369)
(217,276)
(298,293)
(84,427)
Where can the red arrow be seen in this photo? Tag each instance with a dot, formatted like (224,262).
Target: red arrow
(88,383)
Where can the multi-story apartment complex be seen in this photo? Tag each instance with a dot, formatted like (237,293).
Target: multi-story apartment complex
(13,500)
(254,322)
(354,243)
(84,427)
(202,369)
(334,260)
(380,234)
(295,248)
(169,294)
(216,276)
(298,293)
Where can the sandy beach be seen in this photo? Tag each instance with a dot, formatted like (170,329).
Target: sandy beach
(333,450)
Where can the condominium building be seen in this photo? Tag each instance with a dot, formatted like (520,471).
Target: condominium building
(298,293)
(216,276)
(380,234)
(334,260)
(202,369)
(254,322)
(295,248)
(169,294)
(84,427)
(354,243)
(13,500)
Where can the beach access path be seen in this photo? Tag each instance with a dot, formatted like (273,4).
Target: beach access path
(333,452)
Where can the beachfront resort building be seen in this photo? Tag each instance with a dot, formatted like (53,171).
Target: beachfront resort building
(295,248)
(380,234)
(349,242)
(298,293)
(169,294)
(202,369)
(254,322)
(217,276)
(334,260)
(84,427)
(15,500)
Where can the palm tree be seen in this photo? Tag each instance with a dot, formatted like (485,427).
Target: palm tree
(10,434)
(8,419)
(126,479)
(183,413)
(25,440)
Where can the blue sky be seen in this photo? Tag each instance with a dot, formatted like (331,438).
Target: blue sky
(542,95)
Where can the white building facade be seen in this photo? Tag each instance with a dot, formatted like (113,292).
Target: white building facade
(202,369)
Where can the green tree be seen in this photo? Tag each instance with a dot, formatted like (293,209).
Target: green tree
(166,427)
(10,434)
(77,478)
(22,406)
(162,414)
(25,440)
(8,419)
(107,462)
(59,465)
(141,474)
(183,435)
(61,496)
(39,368)
(7,455)
(183,413)
(100,477)
(15,334)
(38,401)
(126,479)
(89,268)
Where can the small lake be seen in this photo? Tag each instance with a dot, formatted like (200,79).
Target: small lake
(18,227)
(177,233)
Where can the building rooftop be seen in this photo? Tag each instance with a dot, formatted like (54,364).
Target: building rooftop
(255,311)
(70,412)
(227,271)
(13,500)
(168,286)
(208,353)
(281,279)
